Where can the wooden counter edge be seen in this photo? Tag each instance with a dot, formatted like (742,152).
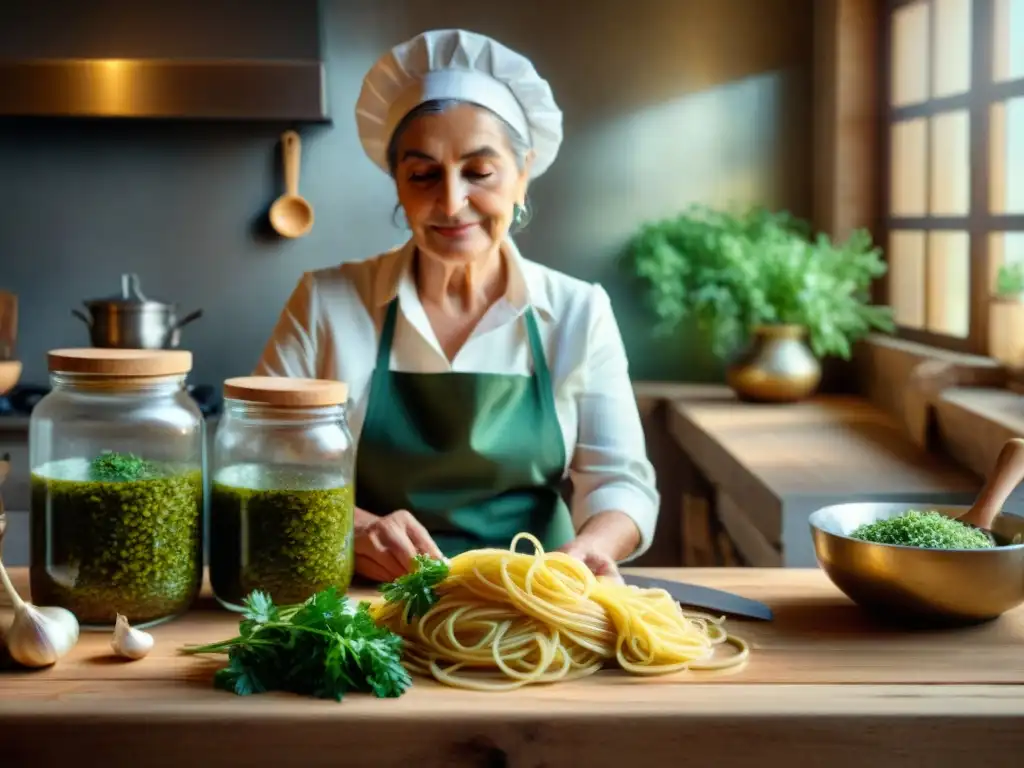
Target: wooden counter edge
(727,702)
(847,726)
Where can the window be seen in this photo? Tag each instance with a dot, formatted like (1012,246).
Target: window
(953,149)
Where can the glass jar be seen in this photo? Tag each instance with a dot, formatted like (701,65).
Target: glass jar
(116,457)
(282,495)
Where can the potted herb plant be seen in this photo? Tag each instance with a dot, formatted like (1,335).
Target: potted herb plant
(1006,317)
(774,297)
(1010,283)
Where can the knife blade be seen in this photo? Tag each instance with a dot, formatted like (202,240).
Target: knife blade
(695,596)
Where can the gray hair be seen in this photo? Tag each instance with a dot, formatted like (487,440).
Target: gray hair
(519,143)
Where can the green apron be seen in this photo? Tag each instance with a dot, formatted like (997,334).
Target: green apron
(475,457)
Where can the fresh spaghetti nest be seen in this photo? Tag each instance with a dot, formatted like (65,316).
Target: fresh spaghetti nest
(505,619)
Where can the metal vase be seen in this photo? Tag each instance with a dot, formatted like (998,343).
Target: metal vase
(777,366)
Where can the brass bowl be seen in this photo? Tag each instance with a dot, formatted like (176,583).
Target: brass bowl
(947,586)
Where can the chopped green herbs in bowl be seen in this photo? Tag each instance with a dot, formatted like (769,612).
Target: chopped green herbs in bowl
(931,530)
(918,564)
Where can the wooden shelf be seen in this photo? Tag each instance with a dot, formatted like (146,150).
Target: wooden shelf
(777,464)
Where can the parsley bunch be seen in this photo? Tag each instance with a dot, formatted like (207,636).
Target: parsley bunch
(325,647)
(417,587)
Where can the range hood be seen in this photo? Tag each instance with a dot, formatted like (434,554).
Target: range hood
(163,59)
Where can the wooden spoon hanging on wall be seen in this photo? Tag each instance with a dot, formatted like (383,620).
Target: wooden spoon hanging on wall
(291,215)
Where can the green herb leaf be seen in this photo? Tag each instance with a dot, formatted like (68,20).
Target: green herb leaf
(324,647)
(239,678)
(416,589)
(386,678)
(259,607)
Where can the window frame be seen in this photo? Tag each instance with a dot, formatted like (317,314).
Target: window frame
(979,223)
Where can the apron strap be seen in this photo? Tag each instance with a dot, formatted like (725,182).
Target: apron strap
(541,373)
(387,335)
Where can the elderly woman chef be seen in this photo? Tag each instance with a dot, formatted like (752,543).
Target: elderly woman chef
(478,379)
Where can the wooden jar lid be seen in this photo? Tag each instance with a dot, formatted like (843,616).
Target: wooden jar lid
(286,391)
(121,362)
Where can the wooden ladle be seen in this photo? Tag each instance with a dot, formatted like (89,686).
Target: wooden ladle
(1006,475)
(291,215)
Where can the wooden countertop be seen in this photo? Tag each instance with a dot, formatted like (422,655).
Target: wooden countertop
(778,463)
(829,445)
(823,683)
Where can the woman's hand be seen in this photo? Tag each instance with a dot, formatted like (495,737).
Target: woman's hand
(385,546)
(595,558)
(603,540)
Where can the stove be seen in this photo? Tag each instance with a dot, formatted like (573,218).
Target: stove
(23,398)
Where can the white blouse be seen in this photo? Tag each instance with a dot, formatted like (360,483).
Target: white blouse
(331,323)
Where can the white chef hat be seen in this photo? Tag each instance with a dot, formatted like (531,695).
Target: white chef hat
(456,64)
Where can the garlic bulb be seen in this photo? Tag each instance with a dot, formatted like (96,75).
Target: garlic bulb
(130,642)
(38,636)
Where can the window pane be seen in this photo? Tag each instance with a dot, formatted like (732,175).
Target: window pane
(950,164)
(907,168)
(909,54)
(1004,248)
(949,283)
(1006,181)
(1008,45)
(1005,340)
(951,69)
(906,278)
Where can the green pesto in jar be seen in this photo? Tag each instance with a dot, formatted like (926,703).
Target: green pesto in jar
(117,534)
(287,532)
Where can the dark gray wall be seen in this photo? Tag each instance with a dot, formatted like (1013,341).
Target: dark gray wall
(666,102)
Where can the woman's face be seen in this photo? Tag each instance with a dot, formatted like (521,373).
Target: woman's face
(458,181)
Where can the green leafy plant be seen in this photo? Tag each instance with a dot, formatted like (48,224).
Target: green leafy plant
(1010,281)
(731,272)
(326,647)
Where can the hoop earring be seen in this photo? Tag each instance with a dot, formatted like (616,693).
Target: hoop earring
(518,213)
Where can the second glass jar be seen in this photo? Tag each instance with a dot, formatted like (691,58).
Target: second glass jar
(282,493)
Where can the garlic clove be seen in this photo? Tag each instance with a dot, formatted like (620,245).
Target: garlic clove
(130,642)
(64,617)
(38,637)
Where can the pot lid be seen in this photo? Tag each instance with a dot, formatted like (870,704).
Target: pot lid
(131,294)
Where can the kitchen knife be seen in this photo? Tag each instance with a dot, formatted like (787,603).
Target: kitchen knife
(695,596)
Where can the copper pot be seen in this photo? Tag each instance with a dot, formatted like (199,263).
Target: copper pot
(777,366)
